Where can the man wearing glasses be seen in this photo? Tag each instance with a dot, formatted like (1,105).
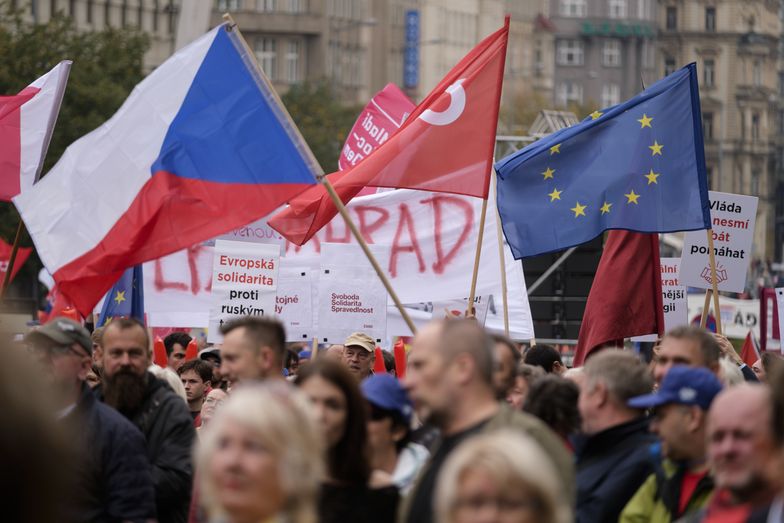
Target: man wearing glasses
(113,480)
(358,354)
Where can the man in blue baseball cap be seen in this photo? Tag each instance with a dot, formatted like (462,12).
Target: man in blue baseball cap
(680,409)
(389,430)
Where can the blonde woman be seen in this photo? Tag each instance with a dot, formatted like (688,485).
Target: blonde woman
(260,459)
(501,477)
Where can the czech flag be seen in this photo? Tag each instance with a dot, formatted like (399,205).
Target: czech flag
(26,123)
(200,146)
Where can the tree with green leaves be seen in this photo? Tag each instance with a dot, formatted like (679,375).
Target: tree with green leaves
(106,66)
(323,121)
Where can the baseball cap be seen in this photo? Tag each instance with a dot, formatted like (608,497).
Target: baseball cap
(209,351)
(360,339)
(682,385)
(63,331)
(384,391)
(305,354)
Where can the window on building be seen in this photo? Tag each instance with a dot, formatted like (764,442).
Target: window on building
(107,14)
(755,181)
(611,95)
(648,54)
(710,19)
(708,72)
(617,8)
(643,9)
(292,61)
(52,7)
(89,9)
(124,14)
(669,66)
(709,170)
(156,8)
(295,6)
(228,5)
(265,6)
(672,18)
(756,73)
(569,92)
(140,14)
(707,126)
(611,53)
(572,8)
(170,12)
(267,54)
(72,8)
(755,127)
(570,52)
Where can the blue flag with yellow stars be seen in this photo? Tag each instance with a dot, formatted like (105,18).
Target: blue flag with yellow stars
(639,166)
(125,299)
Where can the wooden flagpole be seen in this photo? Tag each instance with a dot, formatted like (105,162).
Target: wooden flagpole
(477,256)
(325,181)
(500,235)
(314,348)
(705,309)
(714,281)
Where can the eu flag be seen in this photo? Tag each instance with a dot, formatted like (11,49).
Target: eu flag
(639,166)
(125,299)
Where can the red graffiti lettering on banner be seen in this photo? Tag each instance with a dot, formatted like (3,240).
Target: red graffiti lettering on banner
(367,229)
(443,260)
(408,222)
(195,281)
(331,238)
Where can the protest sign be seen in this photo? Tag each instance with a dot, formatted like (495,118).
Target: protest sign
(737,316)
(380,119)
(458,308)
(244,283)
(430,237)
(255,232)
(732,219)
(351,297)
(673,298)
(294,304)
(769,320)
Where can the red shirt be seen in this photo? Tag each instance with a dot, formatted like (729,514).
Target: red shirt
(688,486)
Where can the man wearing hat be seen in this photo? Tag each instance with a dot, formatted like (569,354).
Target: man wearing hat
(112,479)
(682,485)
(389,431)
(358,354)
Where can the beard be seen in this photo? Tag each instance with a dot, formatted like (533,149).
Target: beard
(125,391)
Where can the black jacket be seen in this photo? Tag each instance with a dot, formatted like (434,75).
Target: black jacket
(166,423)
(113,479)
(611,466)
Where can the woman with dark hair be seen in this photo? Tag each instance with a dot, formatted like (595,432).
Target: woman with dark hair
(352,491)
(553,400)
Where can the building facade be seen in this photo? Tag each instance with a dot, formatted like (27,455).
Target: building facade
(736,47)
(604,50)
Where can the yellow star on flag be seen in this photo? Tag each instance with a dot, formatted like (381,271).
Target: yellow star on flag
(606,208)
(555,149)
(631,197)
(645,121)
(652,177)
(655,148)
(548,173)
(578,210)
(120,297)
(596,114)
(555,195)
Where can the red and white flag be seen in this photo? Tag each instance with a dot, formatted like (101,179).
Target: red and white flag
(26,123)
(750,352)
(445,145)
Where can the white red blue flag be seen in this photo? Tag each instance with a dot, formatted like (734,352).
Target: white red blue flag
(200,146)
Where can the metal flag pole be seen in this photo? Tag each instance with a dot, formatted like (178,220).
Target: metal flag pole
(326,183)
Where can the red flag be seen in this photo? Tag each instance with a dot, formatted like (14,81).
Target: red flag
(378,364)
(5,256)
(446,145)
(626,296)
(400,359)
(750,352)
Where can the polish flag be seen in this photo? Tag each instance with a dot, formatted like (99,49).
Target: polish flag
(26,123)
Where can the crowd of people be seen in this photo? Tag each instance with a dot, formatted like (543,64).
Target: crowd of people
(479,429)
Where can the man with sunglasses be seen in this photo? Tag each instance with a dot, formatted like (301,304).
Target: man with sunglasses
(113,478)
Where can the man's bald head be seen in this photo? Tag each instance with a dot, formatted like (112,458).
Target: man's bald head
(459,336)
(740,440)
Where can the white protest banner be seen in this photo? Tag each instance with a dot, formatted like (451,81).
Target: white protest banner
(674,302)
(351,297)
(244,283)
(294,303)
(737,316)
(458,308)
(732,219)
(255,232)
(430,237)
